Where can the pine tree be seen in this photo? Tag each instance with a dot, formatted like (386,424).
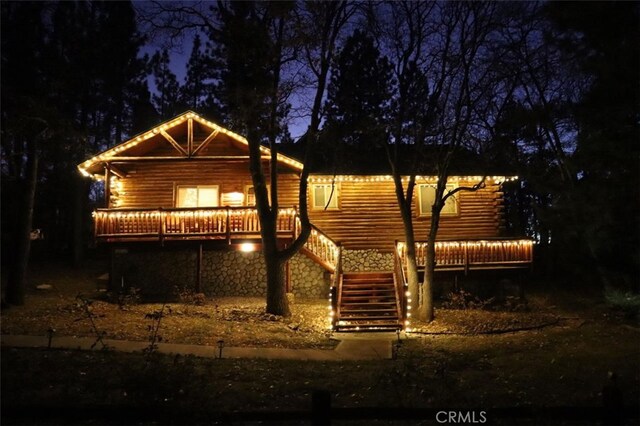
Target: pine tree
(166,99)
(359,93)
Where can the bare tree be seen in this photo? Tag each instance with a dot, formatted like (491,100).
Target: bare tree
(468,101)
(263,80)
(402,28)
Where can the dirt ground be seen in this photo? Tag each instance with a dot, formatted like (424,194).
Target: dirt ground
(559,355)
(239,321)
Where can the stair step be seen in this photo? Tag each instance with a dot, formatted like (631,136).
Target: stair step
(368,302)
(389,322)
(370,324)
(367,311)
(369,318)
(367,281)
(368,275)
(367,288)
(368,327)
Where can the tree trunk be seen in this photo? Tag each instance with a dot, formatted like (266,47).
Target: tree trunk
(77,241)
(425,311)
(18,275)
(412,265)
(277,302)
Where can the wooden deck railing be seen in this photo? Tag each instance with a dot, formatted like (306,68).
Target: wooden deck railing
(184,223)
(214,223)
(466,255)
(321,247)
(401,284)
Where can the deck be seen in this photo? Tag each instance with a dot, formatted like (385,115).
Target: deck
(231,225)
(215,223)
(470,255)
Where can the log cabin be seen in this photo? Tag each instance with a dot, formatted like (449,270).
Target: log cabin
(179,214)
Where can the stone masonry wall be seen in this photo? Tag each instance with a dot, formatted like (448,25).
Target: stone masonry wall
(224,273)
(366,261)
(155,273)
(308,279)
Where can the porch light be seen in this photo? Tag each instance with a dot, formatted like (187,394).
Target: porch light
(247,247)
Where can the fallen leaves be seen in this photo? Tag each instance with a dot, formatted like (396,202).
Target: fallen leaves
(239,321)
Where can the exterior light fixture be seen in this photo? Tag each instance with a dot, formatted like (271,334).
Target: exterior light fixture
(247,247)
(220,346)
(233,199)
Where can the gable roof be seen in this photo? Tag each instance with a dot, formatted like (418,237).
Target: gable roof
(178,135)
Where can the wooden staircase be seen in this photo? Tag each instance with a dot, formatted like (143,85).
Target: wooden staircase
(368,301)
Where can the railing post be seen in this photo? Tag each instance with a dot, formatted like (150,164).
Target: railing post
(333,291)
(161,225)
(466,257)
(228,225)
(294,229)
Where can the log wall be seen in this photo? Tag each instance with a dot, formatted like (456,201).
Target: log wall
(368,215)
(152,184)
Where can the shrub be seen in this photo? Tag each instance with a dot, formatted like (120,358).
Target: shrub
(464,300)
(626,302)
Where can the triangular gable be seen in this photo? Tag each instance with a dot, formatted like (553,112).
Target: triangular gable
(162,132)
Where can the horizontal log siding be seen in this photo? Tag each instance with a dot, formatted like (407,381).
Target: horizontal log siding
(369,216)
(151,185)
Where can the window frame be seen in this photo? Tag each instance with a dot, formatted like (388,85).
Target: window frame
(247,187)
(336,195)
(177,195)
(454,200)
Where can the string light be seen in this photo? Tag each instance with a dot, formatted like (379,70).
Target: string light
(387,178)
(110,153)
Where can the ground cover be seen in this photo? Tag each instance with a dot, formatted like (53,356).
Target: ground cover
(465,359)
(564,366)
(239,321)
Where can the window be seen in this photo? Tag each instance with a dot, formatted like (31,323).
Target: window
(325,196)
(232,199)
(250,195)
(426,197)
(197,196)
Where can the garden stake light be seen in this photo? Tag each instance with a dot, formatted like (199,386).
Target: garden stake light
(220,346)
(50,332)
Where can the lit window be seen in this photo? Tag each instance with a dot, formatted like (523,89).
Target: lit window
(232,199)
(250,195)
(426,197)
(325,196)
(197,196)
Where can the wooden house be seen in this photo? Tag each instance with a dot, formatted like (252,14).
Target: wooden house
(179,212)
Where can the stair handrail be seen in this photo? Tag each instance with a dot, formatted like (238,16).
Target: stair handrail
(337,283)
(330,255)
(400,280)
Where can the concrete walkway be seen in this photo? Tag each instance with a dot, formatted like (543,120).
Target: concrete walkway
(352,347)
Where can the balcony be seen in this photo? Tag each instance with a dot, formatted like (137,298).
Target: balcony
(215,223)
(226,224)
(469,255)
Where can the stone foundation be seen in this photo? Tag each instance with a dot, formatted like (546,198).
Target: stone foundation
(366,261)
(156,272)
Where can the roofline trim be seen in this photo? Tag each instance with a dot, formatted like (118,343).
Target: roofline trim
(110,153)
